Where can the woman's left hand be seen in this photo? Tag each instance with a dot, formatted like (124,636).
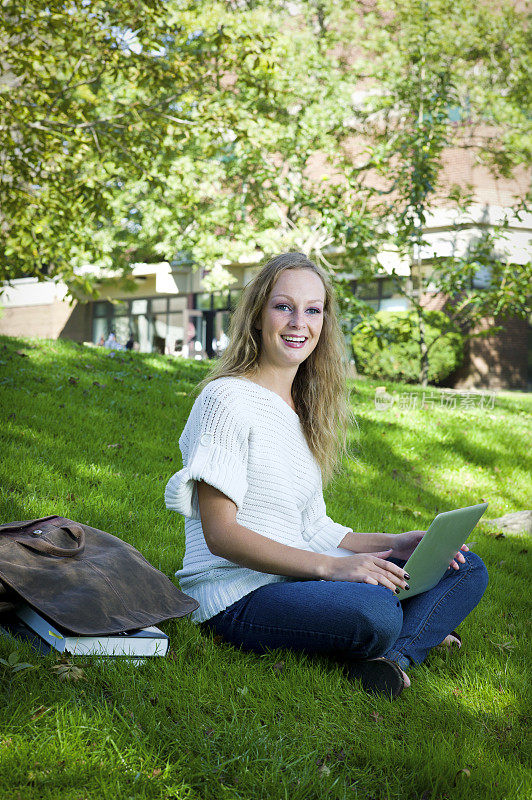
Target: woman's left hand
(404,544)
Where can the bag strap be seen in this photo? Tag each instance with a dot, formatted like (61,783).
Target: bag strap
(16,526)
(42,546)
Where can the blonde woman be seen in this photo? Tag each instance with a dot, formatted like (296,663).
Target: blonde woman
(268,425)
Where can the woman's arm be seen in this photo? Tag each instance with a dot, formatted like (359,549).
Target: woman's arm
(227,539)
(367,542)
(402,545)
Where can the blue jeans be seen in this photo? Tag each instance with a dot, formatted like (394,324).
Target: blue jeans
(346,620)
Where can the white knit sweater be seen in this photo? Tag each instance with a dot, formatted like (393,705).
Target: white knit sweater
(247,442)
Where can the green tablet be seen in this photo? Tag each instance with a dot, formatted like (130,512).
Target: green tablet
(443,539)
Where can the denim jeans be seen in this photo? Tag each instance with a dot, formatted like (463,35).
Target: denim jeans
(346,620)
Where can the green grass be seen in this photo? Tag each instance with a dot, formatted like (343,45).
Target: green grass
(211,722)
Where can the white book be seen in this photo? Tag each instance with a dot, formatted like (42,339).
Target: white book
(143,642)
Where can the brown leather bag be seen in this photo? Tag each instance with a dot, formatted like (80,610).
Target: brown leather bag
(85,580)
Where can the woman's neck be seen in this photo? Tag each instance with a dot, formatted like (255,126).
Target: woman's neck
(278,381)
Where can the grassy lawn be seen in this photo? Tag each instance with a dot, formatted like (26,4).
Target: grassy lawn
(94,437)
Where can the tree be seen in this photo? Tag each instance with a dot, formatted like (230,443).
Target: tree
(93,94)
(228,130)
(421,71)
(254,191)
(427,59)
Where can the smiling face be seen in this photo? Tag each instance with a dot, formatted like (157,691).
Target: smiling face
(292,319)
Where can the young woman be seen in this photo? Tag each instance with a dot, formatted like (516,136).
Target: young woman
(269,422)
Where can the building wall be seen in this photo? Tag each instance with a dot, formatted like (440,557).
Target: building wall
(433,301)
(52,321)
(461,168)
(498,361)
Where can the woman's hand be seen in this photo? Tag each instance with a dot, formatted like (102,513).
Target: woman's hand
(459,558)
(404,544)
(226,538)
(367,568)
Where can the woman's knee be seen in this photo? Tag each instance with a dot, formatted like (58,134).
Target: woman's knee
(379,625)
(478,573)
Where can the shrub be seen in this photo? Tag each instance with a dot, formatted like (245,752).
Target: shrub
(386,345)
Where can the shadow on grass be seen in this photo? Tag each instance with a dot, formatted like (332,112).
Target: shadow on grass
(102,454)
(294,721)
(450,444)
(96,435)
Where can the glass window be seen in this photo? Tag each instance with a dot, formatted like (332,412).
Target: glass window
(177,303)
(368,291)
(163,324)
(134,331)
(389,287)
(121,329)
(194,344)
(159,304)
(99,330)
(221,300)
(142,333)
(234,297)
(175,327)
(100,309)
(203,301)
(199,345)
(120,309)
(397,303)
(391,298)
(159,325)
(221,330)
(139,306)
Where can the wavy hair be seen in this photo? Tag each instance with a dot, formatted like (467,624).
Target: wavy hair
(319,390)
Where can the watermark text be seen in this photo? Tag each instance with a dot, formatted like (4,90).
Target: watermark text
(446,398)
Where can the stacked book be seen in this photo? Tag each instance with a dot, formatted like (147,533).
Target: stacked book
(27,624)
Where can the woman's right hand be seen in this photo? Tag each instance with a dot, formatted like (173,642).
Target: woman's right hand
(367,568)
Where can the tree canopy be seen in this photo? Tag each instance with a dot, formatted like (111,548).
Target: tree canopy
(102,100)
(446,76)
(135,131)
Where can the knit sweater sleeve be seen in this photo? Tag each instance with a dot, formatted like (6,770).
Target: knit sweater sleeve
(214,445)
(320,532)
(328,535)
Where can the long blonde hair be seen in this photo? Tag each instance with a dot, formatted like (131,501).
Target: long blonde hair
(319,389)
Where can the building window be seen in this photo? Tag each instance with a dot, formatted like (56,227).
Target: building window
(194,326)
(381,294)
(139,306)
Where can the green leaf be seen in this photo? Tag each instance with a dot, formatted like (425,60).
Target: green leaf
(23,665)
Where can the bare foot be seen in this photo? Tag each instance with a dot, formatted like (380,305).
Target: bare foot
(450,641)
(406,679)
